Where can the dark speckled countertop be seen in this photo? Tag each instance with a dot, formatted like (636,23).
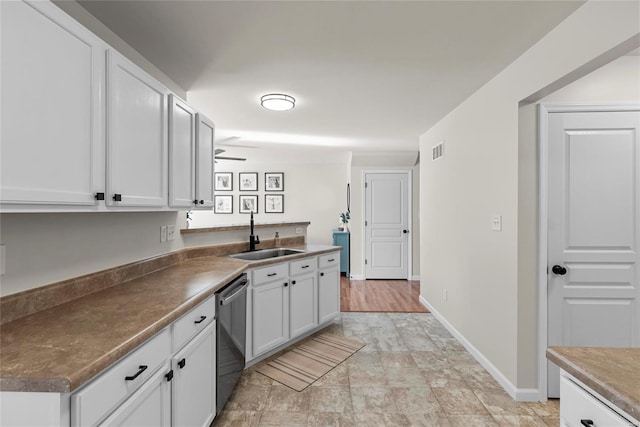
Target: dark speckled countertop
(614,373)
(60,348)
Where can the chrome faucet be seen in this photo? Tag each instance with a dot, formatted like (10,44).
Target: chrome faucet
(253,240)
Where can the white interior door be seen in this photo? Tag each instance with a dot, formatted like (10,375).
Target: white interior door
(594,193)
(386,225)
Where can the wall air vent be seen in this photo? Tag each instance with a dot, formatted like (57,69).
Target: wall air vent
(437,151)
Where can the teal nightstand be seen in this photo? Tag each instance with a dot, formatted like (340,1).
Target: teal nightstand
(342,238)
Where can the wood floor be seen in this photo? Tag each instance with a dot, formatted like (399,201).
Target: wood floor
(395,296)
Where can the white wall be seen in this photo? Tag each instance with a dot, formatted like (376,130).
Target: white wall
(479,178)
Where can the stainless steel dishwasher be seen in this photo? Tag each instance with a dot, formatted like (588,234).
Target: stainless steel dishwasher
(230,337)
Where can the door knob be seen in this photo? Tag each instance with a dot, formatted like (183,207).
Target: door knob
(559,270)
(405,231)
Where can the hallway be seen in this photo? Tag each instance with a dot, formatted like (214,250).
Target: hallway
(384,296)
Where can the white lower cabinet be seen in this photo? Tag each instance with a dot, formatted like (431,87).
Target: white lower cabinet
(290,300)
(579,407)
(149,406)
(169,380)
(194,381)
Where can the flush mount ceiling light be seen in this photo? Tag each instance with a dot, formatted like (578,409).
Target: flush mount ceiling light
(278,102)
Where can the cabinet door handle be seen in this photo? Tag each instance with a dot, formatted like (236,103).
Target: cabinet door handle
(141,369)
(182,363)
(587,423)
(195,202)
(201,319)
(305,266)
(286,284)
(293,282)
(331,260)
(202,202)
(321,274)
(117,197)
(271,274)
(169,375)
(99,196)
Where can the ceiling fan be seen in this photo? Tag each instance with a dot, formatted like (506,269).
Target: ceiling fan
(220,151)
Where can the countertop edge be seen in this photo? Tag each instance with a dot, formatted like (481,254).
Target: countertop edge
(605,390)
(83,376)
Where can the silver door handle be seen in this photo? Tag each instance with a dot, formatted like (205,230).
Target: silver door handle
(227,300)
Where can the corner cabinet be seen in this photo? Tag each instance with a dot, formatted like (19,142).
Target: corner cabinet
(290,300)
(52,117)
(136,136)
(205,163)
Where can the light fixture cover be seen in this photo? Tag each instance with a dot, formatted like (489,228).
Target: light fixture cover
(278,102)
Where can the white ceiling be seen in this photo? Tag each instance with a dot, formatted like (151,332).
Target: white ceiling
(367,75)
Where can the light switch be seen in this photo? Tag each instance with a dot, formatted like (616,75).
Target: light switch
(171,232)
(163,233)
(496,223)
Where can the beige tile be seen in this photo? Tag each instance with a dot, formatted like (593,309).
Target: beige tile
(459,401)
(237,419)
(282,398)
(416,400)
(338,376)
(443,378)
(380,419)
(361,359)
(330,399)
(397,360)
(251,377)
(427,420)
(549,408)
(498,402)
(372,399)
(520,420)
(430,359)
(405,377)
(248,398)
(331,419)
(472,421)
(365,375)
(278,418)
(553,421)
(478,378)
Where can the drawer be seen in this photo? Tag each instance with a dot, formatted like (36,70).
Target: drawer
(94,401)
(270,273)
(577,404)
(329,260)
(193,322)
(305,265)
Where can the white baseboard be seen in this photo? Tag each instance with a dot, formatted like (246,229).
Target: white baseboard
(520,395)
(415,277)
(357,277)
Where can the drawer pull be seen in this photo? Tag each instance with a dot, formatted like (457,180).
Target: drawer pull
(321,274)
(182,363)
(141,369)
(271,274)
(293,282)
(286,284)
(331,260)
(305,266)
(201,319)
(169,375)
(587,423)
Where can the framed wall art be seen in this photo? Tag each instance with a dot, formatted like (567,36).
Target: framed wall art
(248,181)
(223,204)
(248,204)
(274,181)
(223,181)
(274,203)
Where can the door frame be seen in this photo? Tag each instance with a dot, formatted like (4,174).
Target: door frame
(544,109)
(409,173)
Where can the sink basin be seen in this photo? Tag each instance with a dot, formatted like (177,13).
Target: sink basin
(265,254)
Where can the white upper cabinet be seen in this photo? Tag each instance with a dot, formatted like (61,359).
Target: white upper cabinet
(182,141)
(205,164)
(51,138)
(137,150)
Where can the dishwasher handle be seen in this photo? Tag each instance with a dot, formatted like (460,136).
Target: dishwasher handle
(236,294)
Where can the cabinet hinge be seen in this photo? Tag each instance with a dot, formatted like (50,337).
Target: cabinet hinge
(169,375)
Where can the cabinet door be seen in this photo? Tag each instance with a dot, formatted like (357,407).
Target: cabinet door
(205,164)
(182,140)
(51,108)
(270,323)
(194,381)
(136,136)
(303,313)
(328,294)
(149,406)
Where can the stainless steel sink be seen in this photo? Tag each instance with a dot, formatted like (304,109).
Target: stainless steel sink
(266,254)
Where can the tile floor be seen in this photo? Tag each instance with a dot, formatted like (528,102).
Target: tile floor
(412,372)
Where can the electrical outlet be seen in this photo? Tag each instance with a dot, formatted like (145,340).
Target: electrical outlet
(171,232)
(496,223)
(3,259)
(298,230)
(163,233)
(445,295)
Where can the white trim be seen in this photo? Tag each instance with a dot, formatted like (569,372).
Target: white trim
(357,277)
(543,220)
(520,395)
(415,278)
(409,172)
